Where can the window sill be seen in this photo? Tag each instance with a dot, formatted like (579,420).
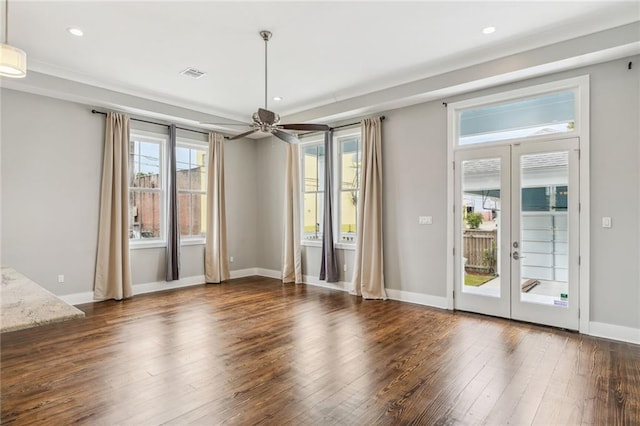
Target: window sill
(139,245)
(317,243)
(345,246)
(311,243)
(198,242)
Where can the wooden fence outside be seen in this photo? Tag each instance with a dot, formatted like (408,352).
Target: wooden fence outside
(475,242)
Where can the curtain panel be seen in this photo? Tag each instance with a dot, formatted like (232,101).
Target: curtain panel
(173,230)
(292,256)
(368,274)
(113,270)
(329,263)
(216,265)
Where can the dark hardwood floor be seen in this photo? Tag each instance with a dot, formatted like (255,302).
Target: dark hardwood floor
(255,351)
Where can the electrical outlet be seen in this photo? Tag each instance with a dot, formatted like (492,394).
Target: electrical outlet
(344,267)
(606,222)
(60,279)
(231,259)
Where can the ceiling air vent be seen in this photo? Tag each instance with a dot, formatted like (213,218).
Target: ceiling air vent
(193,73)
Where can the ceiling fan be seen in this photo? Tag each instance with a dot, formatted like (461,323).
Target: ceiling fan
(268,121)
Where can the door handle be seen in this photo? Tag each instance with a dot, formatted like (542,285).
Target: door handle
(517,256)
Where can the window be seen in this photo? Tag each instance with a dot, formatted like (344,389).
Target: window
(313,190)
(191,181)
(346,184)
(146,188)
(350,166)
(519,114)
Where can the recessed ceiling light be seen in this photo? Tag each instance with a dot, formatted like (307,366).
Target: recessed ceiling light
(75,31)
(277,98)
(489,30)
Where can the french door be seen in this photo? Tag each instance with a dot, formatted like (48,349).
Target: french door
(517,231)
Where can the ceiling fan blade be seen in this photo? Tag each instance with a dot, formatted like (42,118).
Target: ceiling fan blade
(225,124)
(307,127)
(242,135)
(266,116)
(287,137)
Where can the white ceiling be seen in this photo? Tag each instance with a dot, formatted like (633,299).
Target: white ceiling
(320,52)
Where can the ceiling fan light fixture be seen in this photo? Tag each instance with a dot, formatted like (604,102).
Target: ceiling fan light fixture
(13,61)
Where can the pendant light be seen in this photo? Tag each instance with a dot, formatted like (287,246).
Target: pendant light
(13,61)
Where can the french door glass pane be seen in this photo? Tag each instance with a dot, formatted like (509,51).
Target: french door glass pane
(481,219)
(544,193)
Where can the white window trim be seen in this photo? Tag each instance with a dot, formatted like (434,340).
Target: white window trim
(582,125)
(201,145)
(162,140)
(576,85)
(314,140)
(337,138)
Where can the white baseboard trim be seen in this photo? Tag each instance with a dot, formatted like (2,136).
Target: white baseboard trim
(152,287)
(167,285)
(77,298)
(597,329)
(241,273)
(614,332)
(340,285)
(269,273)
(418,298)
(87,296)
(399,295)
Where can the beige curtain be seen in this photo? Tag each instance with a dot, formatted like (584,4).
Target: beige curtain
(368,274)
(292,256)
(113,271)
(216,263)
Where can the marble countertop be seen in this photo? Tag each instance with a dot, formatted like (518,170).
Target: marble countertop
(24,304)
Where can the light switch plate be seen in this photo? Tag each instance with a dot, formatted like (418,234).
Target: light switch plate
(425,220)
(606,222)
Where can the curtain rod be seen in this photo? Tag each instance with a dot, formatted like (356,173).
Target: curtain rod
(382,117)
(93,111)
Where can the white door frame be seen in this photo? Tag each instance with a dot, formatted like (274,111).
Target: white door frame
(558,316)
(581,86)
(467,300)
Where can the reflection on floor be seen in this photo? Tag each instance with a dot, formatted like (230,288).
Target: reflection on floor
(546,292)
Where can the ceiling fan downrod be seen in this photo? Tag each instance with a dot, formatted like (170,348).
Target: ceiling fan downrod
(266,35)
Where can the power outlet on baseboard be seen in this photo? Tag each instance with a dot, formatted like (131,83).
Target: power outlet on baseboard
(60,279)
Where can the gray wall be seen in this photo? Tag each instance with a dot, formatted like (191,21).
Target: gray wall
(50,208)
(615,186)
(415,183)
(51,158)
(270,169)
